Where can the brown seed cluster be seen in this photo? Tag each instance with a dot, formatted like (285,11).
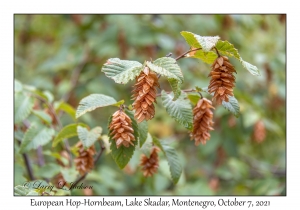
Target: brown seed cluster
(121,129)
(259,133)
(144,94)
(202,121)
(222,79)
(150,165)
(84,161)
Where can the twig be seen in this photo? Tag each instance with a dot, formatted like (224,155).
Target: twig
(95,161)
(41,160)
(183,55)
(27,162)
(186,91)
(169,54)
(28,166)
(217,52)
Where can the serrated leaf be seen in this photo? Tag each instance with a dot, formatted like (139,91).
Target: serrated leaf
(23,107)
(122,155)
(67,108)
(36,136)
(18,86)
(143,131)
(43,116)
(173,159)
(252,69)
(67,132)
(93,102)
(169,68)
(232,105)
(176,87)
(180,110)
(87,137)
(170,64)
(121,71)
(195,40)
(226,48)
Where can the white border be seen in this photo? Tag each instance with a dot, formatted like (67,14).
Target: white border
(8,8)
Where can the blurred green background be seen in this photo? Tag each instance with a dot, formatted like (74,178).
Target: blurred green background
(245,155)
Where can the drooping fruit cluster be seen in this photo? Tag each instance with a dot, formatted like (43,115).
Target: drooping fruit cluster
(259,133)
(144,94)
(150,165)
(222,79)
(202,121)
(84,161)
(121,129)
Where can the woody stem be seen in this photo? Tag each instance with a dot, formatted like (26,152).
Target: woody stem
(187,52)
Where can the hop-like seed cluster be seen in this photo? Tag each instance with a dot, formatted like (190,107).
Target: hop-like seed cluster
(150,165)
(84,161)
(259,133)
(144,94)
(222,79)
(121,129)
(202,121)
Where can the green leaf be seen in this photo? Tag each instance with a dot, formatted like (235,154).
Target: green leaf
(18,86)
(252,69)
(143,131)
(23,107)
(173,159)
(232,105)
(43,116)
(169,64)
(119,103)
(169,68)
(67,108)
(87,137)
(194,98)
(207,57)
(226,48)
(67,132)
(36,136)
(176,87)
(122,155)
(180,110)
(196,41)
(93,102)
(121,71)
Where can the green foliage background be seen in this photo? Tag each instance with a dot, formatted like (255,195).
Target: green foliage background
(50,48)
